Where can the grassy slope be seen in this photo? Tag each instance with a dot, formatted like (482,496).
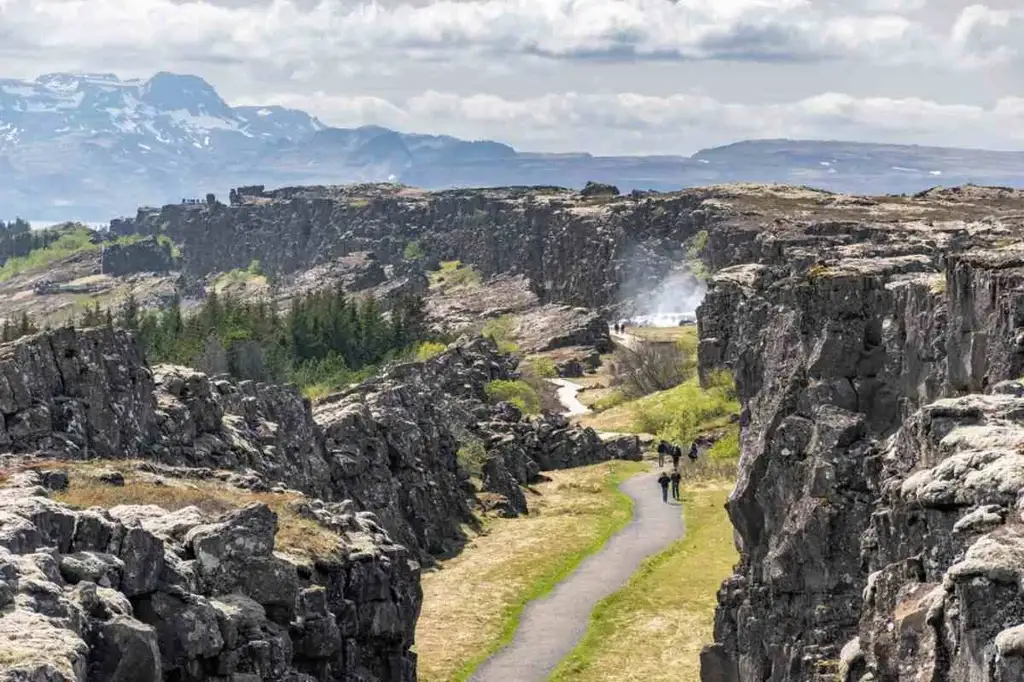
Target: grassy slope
(653,629)
(471,607)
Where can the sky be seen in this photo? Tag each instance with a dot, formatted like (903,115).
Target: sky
(603,76)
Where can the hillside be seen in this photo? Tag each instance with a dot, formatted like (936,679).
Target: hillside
(91,146)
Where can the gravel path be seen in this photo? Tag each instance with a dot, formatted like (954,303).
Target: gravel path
(566,392)
(552,626)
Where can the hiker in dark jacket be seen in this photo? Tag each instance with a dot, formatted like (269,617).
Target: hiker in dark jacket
(694,451)
(663,481)
(677,454)
(663,449)
(675,478)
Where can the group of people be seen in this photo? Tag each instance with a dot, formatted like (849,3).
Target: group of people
(665,480)
(620,327)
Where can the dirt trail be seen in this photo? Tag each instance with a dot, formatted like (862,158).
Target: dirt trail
(552,626)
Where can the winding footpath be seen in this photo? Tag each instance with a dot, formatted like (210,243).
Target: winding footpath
(551,627)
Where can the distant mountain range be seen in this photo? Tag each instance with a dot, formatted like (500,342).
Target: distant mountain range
(92,146)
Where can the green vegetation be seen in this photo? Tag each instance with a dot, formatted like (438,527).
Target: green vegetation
(68,242)
(681,413)
(471,456)
(429,349)
(323,343)
(471,607)
(655,626)
(613,399)
(695,246)
(518,392)
(413,251)
(499,330)
(454,275)
(542,367)
(168,243)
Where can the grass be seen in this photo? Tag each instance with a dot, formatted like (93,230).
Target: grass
(74,240)
(653,628)
(241,280)
(295,534)
(500,330)
(516,391)
(681,413)
(685,334)
(453,275)
(542,366)
(472,605)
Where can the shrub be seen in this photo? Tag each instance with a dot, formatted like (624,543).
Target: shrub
(517,392)
(499,330)
(683,412)
(542,367)
(413,251)
(429,349)
(471,456)
(652,367)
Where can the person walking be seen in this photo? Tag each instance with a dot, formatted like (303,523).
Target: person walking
(663,481)
(694,451)
(677,454)
(662,449)
(675,478)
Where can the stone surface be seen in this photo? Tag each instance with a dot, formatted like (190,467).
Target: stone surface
(876,509)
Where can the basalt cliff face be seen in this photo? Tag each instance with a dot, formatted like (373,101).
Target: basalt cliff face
(878,354)
(155,523)
(574,248)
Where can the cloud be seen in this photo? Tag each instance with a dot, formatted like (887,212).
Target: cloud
(629,123)
(300,39)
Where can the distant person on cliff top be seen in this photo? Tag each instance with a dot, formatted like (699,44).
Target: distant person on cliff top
(663,481)
(675,478)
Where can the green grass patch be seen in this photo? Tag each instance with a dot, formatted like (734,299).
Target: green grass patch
(74,240)
(499,330)
(453,275)
(613,399)
(655,626)
(618,510)
(681,413)
(516,391)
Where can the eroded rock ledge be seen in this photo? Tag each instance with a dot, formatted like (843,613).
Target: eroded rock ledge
(207,591)
(878,506)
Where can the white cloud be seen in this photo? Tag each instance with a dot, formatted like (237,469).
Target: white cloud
(302,39)
(628,123)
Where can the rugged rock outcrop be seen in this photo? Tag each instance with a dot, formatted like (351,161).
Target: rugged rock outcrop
(137,593)
(877,505)
(574,249)
(145,255)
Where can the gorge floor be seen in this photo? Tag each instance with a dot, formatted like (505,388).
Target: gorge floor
(552,626)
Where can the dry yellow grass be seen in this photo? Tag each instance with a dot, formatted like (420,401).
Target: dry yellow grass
(295,534)
(653,629)
(664,334)
(472,604)
(619,419)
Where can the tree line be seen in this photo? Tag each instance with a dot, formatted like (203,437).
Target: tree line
(17,238)
(324,338)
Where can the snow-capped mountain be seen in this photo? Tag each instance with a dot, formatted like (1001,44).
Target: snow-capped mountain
(92,146)
(168,111)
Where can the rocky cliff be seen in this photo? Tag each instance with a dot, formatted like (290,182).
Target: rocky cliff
(293,545)
(876,347)
(573,248)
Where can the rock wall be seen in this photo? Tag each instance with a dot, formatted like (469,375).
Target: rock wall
(876,510)
(145,255)
(135,592)
(574,249)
